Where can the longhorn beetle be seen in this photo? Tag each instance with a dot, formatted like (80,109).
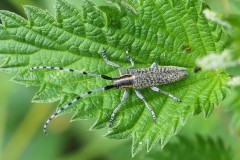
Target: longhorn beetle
(133,78)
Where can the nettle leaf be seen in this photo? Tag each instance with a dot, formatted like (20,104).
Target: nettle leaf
(197,148)
(232,104)
(188,147)
(169,32)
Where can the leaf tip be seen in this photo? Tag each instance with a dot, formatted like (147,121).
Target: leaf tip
(203,6)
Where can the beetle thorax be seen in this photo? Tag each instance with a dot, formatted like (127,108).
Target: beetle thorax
(124,81)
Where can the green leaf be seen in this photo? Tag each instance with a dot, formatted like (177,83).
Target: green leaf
(189,147)
(232,104)
(169,32)
(198,148)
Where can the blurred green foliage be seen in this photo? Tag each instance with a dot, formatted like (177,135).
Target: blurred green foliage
(21,134)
